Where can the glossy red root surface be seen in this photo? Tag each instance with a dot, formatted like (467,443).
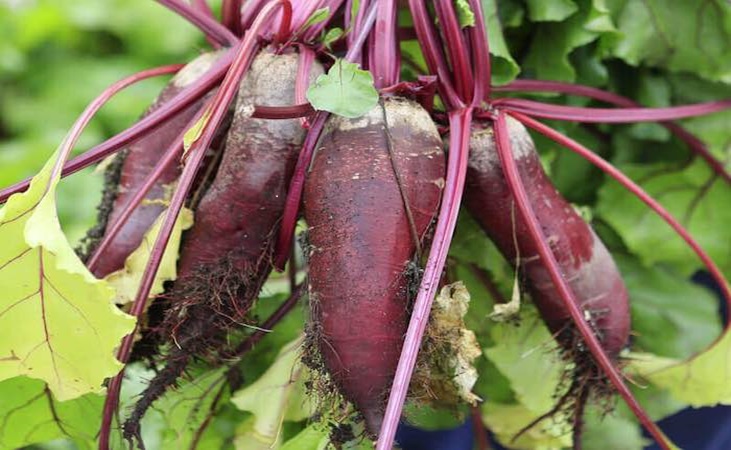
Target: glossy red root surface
(139,160)
(585,262)
(361,242)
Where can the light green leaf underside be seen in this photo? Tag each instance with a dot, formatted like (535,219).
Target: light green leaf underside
(345,90)
(57,322)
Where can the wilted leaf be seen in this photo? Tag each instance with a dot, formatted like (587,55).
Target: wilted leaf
(445,374)
(194,132)
(57,322)
(126,280)
(30,414)
(692,195)
(345,90)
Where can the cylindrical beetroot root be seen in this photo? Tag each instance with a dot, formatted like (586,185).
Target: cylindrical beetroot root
(362,241)
(584,260)
(225,257)
(138,161)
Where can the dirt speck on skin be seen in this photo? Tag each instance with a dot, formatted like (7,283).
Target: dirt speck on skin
(112,175)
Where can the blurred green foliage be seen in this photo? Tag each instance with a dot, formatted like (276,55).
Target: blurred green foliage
(55,57)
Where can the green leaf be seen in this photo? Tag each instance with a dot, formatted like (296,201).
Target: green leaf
(332,35)
(345,90)
(276,396)
(314,437)
(465,14)
(550,10)
(692,195)
(30,414)
(670,315)
(318,16)
(676,35)
(605,431)
(508,420)
(59,323)
(126,280)
(504,67)
(188,410)
(700,381)
(548,57)
(524,354)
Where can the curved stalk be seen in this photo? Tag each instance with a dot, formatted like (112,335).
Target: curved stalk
(244,56)
(231,15)
(90,111)
(460,122)
(480,56)
(203,22)
(185,98)
(457,49)
(510,169)
(640,193)
(610,115)
(171,155)
(433,54)
(695,144)
(283,247)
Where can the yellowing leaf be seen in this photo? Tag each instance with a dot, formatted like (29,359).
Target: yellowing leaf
(194,132)
(703,380)
(57,322)
(278,395)
(126,281)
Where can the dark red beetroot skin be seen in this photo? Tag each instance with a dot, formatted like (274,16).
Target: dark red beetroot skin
(584,260)
(361,242)
(141,157)
(225,256)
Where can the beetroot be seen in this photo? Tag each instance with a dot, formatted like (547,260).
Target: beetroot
(361,241)
(137,164)
(585,262)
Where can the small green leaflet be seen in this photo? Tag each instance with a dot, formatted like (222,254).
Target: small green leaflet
(29,414)
(57,322)
(331,36)
(126,280)
(316,17)
(345,90)
(276,396)
(194,132)
(464,13)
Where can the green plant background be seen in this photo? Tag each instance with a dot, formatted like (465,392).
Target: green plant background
(55,56)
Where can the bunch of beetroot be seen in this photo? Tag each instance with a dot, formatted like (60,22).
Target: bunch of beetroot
(380,194)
